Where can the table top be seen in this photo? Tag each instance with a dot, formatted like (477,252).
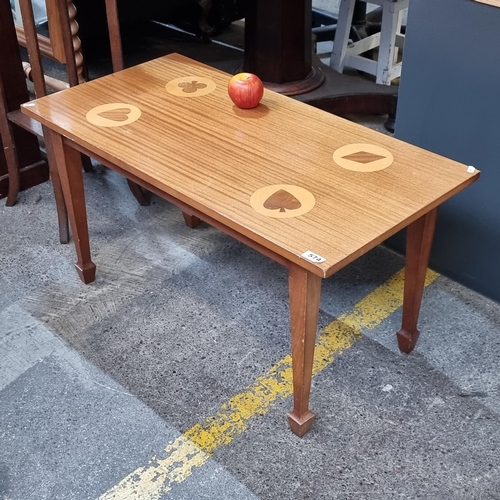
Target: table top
(312,187)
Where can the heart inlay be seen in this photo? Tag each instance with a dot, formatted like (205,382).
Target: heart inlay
(116,115)
(282,200)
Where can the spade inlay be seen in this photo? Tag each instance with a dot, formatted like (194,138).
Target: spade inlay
(282,200)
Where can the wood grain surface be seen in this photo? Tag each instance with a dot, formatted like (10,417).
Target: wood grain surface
(213,156)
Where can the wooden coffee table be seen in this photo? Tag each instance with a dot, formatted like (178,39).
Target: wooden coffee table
(306,188)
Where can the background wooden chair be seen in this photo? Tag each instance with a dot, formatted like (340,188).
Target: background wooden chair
(21,162)
(74,67)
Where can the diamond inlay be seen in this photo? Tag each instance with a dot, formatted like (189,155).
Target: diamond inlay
(363,157)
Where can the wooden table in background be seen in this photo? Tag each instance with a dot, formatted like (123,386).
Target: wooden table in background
(306,188)
(278,48)
(25,166)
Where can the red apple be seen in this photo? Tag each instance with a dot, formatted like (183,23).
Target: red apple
(245,90)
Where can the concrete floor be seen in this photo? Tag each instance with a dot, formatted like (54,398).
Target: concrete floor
(167,377)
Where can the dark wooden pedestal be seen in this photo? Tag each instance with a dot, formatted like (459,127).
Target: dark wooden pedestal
(30,168)
(278,48)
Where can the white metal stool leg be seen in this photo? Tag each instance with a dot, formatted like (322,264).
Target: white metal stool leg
(390,40)
(346,11)
(385,69)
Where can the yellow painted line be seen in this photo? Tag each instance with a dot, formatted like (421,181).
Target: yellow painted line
(196,445)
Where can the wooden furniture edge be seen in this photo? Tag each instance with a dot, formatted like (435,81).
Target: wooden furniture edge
(261,242)
(52,47)
(26,122)
(494,3)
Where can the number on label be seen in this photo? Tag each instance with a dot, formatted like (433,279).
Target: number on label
(313,257)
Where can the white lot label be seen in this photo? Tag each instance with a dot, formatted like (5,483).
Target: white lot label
(313,257)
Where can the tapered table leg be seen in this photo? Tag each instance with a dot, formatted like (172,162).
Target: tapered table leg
(418,248)
(305,291)
(140,194)
(191,220)
(69,165)
(62,212)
